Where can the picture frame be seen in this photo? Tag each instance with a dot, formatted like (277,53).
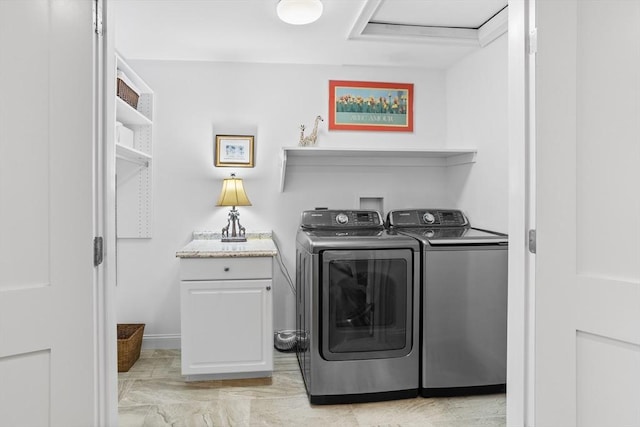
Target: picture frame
(370,106)
(234,151)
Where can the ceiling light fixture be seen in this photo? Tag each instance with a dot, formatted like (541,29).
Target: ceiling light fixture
(299,12)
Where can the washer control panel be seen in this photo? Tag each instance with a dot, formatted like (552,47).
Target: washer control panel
(330,219)
(427,218)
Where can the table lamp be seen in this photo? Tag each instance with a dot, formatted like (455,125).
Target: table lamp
(233,195)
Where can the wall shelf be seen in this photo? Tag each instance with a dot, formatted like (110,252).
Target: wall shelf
(132,155)
(352,157)
(129,163)
(128,115)
(133,163)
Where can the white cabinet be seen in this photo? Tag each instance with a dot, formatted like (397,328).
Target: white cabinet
(134,161)
(226,317)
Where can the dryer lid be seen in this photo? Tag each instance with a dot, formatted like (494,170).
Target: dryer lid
(331,219)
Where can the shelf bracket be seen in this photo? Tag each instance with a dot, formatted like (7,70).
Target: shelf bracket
(283,168)
(142,162)
(126,177)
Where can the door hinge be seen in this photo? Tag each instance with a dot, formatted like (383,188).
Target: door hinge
(97,17)
(532,241)
(532,40)
(98,251)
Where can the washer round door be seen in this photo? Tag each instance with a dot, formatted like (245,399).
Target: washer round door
(366,298)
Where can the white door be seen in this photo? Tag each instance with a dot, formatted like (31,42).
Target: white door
(48,318)
(587,288)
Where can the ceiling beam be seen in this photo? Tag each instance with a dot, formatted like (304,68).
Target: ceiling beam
(420,34)
(368,10)
(366,29)
(494,28)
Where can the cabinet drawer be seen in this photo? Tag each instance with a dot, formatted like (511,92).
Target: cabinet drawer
(225,268)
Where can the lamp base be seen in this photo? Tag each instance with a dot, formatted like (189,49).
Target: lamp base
(232,221)
(234,239)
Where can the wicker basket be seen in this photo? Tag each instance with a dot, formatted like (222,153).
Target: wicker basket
(129,344)
(127,94)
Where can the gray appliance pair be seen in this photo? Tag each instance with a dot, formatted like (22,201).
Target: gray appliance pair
(463,335)
(357,308)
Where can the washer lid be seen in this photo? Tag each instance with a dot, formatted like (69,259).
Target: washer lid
(457,236)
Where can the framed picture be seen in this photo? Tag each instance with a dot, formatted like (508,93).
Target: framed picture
(234,151)
(370,106)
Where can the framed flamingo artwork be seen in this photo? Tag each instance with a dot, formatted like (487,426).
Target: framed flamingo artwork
(370,106)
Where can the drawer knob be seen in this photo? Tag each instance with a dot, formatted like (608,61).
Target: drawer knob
(226,269)
(268,288)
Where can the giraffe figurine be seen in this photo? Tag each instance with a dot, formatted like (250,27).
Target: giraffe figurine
(301,143)
(310,139)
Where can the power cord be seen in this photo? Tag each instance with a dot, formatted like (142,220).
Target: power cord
(283,268)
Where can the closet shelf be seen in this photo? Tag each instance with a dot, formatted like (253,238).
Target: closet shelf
(353,157)
(131,155)
(128,115)
(134,166)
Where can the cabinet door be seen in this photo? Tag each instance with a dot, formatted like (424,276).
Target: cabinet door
(226,326)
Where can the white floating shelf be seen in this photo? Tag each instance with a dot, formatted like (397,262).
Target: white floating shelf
(134,177)
(132,155)
(128,115)
(132,75)
(316,156)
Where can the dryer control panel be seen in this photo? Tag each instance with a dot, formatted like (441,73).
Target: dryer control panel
(332,219)
(427,218)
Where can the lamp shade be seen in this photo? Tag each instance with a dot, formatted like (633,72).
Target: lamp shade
(299,12)
(233,193)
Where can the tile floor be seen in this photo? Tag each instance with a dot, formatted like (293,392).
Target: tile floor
(153,394)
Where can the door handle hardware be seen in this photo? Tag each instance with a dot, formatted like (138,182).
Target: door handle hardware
(532,241)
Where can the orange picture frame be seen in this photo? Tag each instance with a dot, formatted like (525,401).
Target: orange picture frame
(370,106)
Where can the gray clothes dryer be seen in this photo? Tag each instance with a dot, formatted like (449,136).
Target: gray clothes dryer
(357,288)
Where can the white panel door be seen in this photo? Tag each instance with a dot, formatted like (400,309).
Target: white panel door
(587,289)
(47,284)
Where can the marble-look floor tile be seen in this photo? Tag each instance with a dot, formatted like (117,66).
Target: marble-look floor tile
(138,375)
(154,394)
(472,422)
(198,414)
(171,353)
(281,384)
(469,407)
(298,412)
(133,416)
(177,363)
(404,412)
(124,385)
(147,392)
(146,353)
(285,362)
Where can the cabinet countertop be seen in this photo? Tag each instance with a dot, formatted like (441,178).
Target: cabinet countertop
(208,245)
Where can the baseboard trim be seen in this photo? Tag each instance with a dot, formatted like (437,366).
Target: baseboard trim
(161,342)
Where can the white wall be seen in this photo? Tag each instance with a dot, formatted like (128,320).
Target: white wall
(466,106)
(477,117)
(194,101)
